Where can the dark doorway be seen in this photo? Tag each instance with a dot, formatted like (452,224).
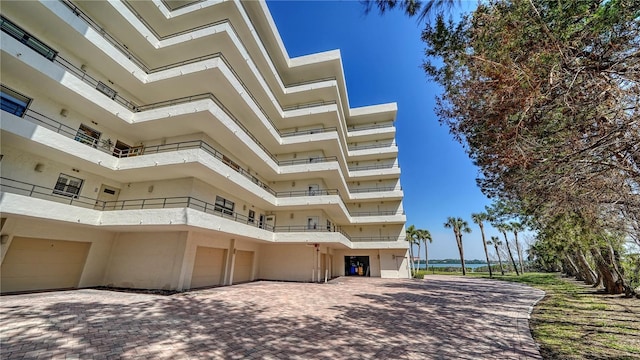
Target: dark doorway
(357,266)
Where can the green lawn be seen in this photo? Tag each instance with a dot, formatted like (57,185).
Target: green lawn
(574,321)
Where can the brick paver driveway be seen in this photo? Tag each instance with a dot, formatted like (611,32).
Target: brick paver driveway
(350,318)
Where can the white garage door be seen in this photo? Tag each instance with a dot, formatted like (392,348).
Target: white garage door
(243,266)
(207,267)
(38,264)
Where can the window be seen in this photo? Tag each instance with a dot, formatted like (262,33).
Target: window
(251,217)
(17,33)
(224,206)
(87,135)
(13,102)
(68,186)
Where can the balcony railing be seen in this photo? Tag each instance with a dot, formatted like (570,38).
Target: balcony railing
(371,146)
(41,192)
(374,189)
(310,228)
(108,148)
(369,127)
(317,192)
(376,213)
(376,238)
(82,75)
(309,105)
(125,50)
(308,132)
(372,167)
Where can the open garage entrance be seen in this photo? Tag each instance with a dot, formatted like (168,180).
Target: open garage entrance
(357,266)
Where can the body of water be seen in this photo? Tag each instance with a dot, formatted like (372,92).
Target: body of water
(472,266)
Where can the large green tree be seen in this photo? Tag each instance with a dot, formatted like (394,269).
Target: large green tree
(544,95)
(459,226)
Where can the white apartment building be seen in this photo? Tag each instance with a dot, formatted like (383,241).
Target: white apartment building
(174,145)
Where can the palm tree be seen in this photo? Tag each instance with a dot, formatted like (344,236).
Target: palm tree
(479,218)
(503,228)
(495,241)
(425,235)
(515,227)
(411,7)
(459,226)
(411,234)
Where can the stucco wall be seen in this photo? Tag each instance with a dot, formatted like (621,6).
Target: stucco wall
(97,258)
(286,262)
(146,260)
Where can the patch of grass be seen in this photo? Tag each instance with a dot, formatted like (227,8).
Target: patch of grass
(574,321)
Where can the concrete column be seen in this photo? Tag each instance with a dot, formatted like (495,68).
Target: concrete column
(185,258)
(230,263)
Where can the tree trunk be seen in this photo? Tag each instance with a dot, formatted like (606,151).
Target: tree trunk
(461,250)
(588,276)
(613,284)
(570,268)
(510,254)
(426,256)
(486,253)
(499,260)
(411,264)
(419,248)
(519,251)
(613,257)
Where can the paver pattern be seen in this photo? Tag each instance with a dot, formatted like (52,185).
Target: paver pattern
(442,317)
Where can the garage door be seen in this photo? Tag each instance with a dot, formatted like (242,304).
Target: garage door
(38,264)
(243,266)
(208,267)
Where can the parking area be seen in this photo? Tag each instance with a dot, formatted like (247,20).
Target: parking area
(441,317)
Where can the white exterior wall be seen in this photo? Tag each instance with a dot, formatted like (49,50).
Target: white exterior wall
(133,251)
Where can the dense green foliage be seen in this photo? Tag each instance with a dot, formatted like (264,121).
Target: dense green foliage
(544,95)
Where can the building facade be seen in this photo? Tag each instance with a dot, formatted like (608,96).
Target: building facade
(175,145)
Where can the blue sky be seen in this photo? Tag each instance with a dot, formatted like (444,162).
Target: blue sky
(382,58)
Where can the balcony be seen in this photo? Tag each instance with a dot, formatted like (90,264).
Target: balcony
(56,195)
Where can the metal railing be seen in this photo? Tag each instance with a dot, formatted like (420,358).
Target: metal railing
(374,189)
(311,160)
(376,238)
(373,167)
(376,213)
(308,132)
(309,105)
(109,148)
(372,146)
(310,228)
(51,194)
(369,127)
(125,50)
(82,75)
(317,192)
